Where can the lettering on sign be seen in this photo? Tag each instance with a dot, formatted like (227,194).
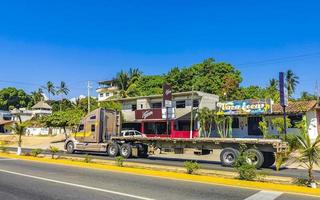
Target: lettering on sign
(244,107)
(147,114)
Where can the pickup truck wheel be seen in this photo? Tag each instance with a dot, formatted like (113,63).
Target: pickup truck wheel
(228,156)
(113,150)
(125,150)
(269,159)
(70,147)
(255,157)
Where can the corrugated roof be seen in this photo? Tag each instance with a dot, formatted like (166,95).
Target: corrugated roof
(41,105)
(295,107)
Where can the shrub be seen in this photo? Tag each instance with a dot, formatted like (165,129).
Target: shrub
(3,148)
(119,161)
(191,166)
(245,170)
(35,152)
(53,150)
(87,158)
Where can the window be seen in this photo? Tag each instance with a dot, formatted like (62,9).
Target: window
(156,105)
(101,94)
(156,128)
(81,127)
(183,125)
(93,128)
(134,107)
(295,120)
(196,103)
(141,106)
(235,122)
(93,117)
(180,104)
(107,94)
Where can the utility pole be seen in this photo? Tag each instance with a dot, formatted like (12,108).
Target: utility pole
(89,88)
(191,118)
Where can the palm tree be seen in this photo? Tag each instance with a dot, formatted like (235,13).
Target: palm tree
(18,128)
(37,95)
(273,83)
(292,82)
(309,151)
(50,88)
(62,90)
(125,82)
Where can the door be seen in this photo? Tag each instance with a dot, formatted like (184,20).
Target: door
(253,126)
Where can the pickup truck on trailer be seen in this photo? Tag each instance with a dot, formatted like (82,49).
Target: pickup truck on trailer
(100,131)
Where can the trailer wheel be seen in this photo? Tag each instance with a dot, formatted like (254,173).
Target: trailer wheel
(143,151)
(228,156)
(255,157)
(70,147)
(269,159)
(125,150)
(113,149)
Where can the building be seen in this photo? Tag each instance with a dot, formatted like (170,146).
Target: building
(106,90)
(38,110)
(5,118)
(146,113)
(247,114)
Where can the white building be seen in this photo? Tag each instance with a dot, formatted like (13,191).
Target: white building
(106,90)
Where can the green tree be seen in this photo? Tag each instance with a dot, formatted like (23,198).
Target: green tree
(50,88)
(65,104)
(62,90)
(18,128)
(306,96)
(14,98)
(126,82)
(150,85)
(37,96)
(292,81)
(309,152)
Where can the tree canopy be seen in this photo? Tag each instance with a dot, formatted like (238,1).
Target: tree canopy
(14,98)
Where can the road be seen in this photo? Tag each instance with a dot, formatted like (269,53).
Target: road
(286,172)
(26,180)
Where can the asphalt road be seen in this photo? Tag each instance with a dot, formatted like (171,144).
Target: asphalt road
(285,172)
(25,180)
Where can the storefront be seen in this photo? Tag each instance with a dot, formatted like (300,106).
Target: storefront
(247,114)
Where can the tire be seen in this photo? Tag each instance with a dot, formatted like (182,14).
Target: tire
(113,149)
(269,159)
(143,151)
(256,158)
(125,150)
(70,147)
(228,156)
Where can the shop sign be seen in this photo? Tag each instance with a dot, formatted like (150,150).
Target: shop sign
(283,90)
(167,95)
(244,107)
(149,114)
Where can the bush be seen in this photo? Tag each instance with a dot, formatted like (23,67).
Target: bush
(119,161)
(88,158)
(3,148)
(53,150)
(245,170)
(191,166)
(35,152)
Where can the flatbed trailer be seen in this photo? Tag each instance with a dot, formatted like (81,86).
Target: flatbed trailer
(263,150)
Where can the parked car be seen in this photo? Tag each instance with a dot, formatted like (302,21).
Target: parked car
(130,133)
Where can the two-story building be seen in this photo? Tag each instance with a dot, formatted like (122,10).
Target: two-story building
(148,115)
(106,90)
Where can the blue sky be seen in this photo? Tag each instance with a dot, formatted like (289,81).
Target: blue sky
(80,40)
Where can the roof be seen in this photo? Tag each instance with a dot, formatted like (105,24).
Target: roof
(41,105)
(106,82)
(295,107)
(160,96)
(4,122)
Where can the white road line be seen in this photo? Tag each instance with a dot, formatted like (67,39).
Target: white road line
(76,185)
(265,195)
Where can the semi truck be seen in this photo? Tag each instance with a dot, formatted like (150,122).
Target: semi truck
(100,131)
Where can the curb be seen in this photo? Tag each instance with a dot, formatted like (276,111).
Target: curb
(293,189)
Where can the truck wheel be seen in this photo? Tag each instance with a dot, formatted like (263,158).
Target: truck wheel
(70,147)
(228,156)
(125,150)
(255,157)
(113,149)
(269,159)
(143,151)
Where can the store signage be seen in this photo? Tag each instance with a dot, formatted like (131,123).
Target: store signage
(155,113)
(245,107)
(171,113)
(283,90)
(167,95)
